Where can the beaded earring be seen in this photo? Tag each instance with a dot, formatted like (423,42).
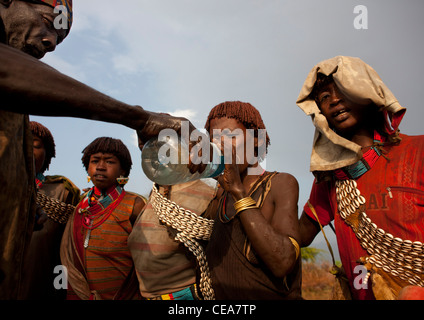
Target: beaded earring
(88,179)
(122,180)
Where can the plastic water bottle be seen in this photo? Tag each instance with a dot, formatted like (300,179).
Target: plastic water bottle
(165,162)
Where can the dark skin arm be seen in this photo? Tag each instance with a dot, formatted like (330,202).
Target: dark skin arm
(308,230)
(138,206)
(137,209)
(268,228)
(31,87)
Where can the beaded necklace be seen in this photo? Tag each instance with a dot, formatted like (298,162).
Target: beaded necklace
(97,205)
(369,158)
(39,179)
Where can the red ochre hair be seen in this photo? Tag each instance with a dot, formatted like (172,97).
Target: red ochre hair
(243,112)
(46,136)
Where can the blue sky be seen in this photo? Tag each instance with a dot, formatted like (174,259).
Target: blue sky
(186,56)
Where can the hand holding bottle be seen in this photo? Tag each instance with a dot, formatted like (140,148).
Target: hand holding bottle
(160,121)
(166,160)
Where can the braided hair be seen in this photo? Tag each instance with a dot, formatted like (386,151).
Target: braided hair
(108,145)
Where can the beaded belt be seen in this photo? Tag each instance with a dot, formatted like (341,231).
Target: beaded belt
(401,258)
(185,294)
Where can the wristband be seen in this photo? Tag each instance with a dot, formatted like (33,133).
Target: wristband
(244,204)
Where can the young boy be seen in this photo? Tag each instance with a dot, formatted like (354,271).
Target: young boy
(94,247)
(59,196)
(253,251)
(369,178)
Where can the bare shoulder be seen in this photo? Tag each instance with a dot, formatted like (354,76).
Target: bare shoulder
(139,204)
(284,182)
(284,196)
(285,190)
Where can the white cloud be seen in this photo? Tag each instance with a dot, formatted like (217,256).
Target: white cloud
(134,139)
(186,113)
(185,56)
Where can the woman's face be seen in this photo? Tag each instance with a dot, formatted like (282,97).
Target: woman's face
(39,153)
(229,129)
(343,115)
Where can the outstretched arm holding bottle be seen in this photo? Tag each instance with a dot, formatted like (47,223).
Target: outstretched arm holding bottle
(31,87)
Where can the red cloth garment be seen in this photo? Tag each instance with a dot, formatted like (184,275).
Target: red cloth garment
(106,262)
(368,160)
(394,193)
(94,208)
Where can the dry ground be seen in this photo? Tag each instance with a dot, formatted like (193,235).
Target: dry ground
(317,281)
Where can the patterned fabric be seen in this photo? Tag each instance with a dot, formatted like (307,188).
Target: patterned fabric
(39,179)
(54,3)
(185,294)
(106,262)
(95,202)
(394,193)
(92,211)
(162,264)
(107,258)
